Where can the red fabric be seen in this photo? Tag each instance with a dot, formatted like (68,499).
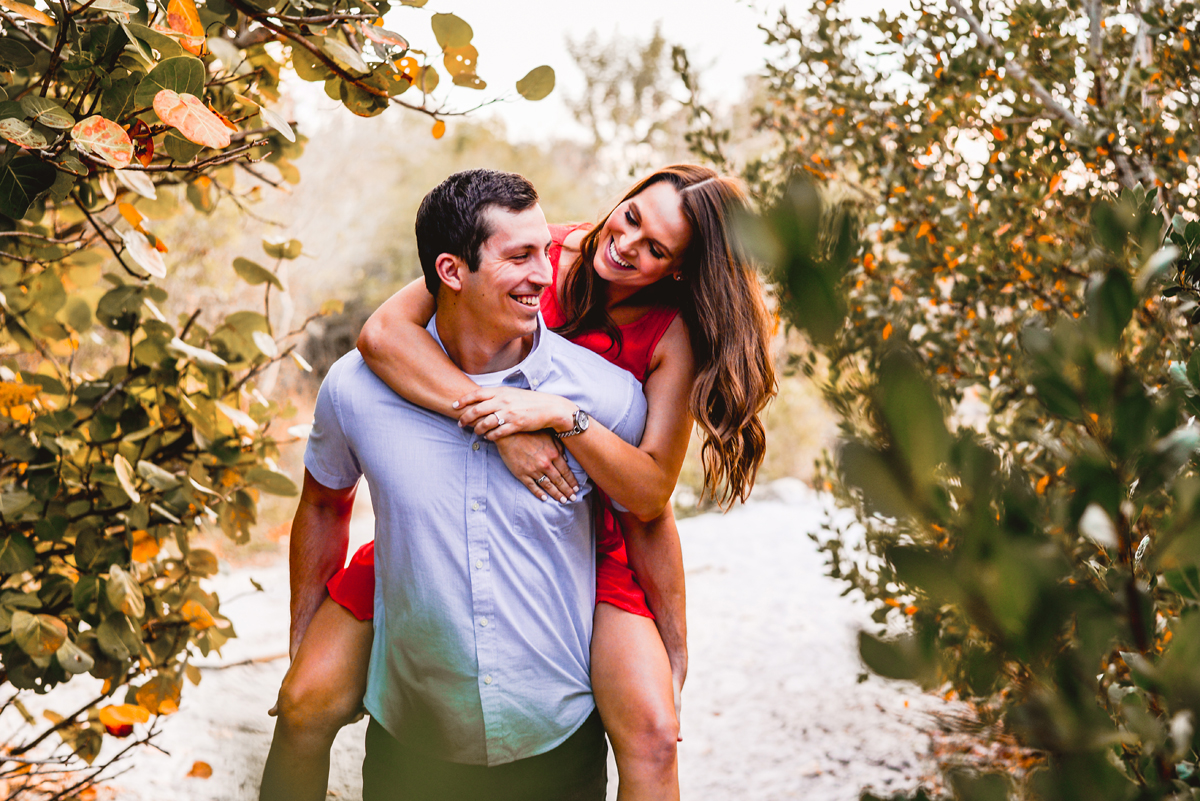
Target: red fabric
(354,586)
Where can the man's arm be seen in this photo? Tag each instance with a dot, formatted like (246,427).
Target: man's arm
(320,535)
(657,558)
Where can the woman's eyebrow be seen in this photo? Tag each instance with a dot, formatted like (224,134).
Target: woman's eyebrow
(638,213)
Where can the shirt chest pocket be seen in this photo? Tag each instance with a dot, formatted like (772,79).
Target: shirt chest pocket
(551,520)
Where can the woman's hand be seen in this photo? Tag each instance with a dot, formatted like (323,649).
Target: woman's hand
(496,412)
(537,460)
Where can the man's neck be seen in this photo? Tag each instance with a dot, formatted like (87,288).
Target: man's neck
(473,350)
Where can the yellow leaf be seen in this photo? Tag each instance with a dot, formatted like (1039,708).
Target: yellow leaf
(123,715)
(196,615)
(439,129)
(14,394)
(28,12)
(182,17)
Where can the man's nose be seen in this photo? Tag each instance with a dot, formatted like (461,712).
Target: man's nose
(541,273)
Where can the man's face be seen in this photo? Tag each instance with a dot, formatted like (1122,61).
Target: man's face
(514,269)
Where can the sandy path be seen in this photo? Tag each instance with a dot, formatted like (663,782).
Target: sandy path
(772,708)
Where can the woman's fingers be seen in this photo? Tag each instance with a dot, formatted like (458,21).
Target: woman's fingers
(475,396)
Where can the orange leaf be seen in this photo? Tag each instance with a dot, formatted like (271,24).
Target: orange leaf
(1054,184)
(869,263)
(182,17)
(186,113)
(998,134)
(924,229)
(160,695)
(103,138)
(896,294)
(1043,482)
(143,142)
(196,615)
(123,715)
(200,770)
(887,331)
(225,120)
(1004,229)
(131,214)
(145,546)
(28,12)
(439,129)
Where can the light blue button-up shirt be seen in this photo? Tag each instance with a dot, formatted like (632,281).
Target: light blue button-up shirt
(484,594)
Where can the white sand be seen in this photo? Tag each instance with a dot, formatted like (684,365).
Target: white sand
(772,707)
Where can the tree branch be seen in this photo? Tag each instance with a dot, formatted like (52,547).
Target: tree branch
(1048,100)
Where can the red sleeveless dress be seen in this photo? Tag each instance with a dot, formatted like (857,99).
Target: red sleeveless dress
(354,586)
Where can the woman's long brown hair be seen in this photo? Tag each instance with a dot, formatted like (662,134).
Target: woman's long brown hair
(721,302)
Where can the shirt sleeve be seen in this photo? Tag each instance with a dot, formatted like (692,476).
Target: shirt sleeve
(329,455)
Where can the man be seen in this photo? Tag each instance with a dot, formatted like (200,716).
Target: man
(479,678)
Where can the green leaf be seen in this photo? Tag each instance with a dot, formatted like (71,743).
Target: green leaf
(180,149)
(1058,397)
(14,55)
(182,74)
(287,249)
(890,659)
(22,180)
(165,45)
(1110,305)
(345,55)
(865,468)
(38,635)
(450,30)
(124,593)
(118,99)
(255,274)
(16,554)
(47,112)
(271,481)
(74,659)
(538,83)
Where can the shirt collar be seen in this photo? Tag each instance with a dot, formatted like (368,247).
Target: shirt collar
(535,366)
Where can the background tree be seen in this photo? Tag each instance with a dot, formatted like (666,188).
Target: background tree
(123,430)
(1011,382)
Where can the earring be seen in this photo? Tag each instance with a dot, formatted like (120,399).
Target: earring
(678,276)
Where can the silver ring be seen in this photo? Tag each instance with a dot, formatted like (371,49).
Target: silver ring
(540,480)
(499,420)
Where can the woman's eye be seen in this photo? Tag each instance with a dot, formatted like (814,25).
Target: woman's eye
(629,218)
(655,253)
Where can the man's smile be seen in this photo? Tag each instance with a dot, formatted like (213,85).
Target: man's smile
(529,300)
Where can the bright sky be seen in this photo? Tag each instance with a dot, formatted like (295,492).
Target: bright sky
(514,36)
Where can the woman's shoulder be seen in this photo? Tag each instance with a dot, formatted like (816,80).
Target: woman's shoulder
(572,236)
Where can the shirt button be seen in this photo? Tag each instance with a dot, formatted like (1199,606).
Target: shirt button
(475,446)
(483,622)
(487,679)
(533,382)
(479,564)
(475,507)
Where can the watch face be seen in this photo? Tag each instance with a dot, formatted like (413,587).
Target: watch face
(581,420)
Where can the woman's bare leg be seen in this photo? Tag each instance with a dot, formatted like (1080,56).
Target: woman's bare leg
(631,679)
(321,693)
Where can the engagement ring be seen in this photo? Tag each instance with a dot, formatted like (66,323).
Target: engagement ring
(540,480)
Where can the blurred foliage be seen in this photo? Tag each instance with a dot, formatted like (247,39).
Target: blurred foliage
(123,431)
(996,253)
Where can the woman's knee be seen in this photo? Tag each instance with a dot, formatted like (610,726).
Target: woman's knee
(309,700)
(650,734)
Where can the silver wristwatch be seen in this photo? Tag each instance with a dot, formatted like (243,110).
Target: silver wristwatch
(581,425)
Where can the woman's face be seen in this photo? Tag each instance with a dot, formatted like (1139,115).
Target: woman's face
(643,239)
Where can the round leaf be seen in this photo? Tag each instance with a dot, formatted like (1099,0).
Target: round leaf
(192,118)
(125,593)
(461,59)
(271,481)
(142,252)
(182,75)
(384,37)
(276,121)
(28,12)
(38,635)
(47,112)
(255,274)
(74,659)
(450,30)
(105,139)
(123,715)
(469,80)
(19,133)
(21,180)
(265,343)
(282,249)
(537,84)
(345,55)
(439,129)
(14,55)
(114,5)
(139,182)
(198,355)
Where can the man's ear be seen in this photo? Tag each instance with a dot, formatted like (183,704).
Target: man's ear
(451,270)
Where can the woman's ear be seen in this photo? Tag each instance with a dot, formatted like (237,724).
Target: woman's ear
(450,269)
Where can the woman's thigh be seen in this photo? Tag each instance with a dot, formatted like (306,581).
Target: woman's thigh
(328,676)
(631,676)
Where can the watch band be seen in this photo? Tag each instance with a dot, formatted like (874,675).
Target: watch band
(581,424)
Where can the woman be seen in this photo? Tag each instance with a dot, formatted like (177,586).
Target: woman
(660,288)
